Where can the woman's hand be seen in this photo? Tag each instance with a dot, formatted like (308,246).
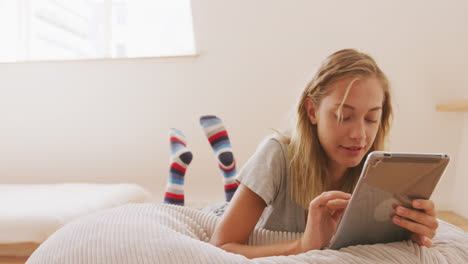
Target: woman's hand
(423,225)
(324,215)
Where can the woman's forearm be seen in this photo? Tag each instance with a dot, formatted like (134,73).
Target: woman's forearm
(292,247)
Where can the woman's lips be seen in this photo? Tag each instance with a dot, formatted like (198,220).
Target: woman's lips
(352,150)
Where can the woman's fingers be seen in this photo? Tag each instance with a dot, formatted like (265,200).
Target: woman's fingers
(426,205)
(336,215)
(423,224)
(337,195)
(414,227)
(322,200)
(337,204)
(419,217)
(421,240)
(329,204)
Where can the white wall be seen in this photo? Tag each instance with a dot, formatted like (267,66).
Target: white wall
(107,121)
(460,193)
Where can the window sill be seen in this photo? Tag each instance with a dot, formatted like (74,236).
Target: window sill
(196,55)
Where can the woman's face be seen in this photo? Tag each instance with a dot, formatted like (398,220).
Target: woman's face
(346,142)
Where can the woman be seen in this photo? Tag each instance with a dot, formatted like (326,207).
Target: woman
(301,183)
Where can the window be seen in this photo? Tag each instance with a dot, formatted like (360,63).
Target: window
(85,29)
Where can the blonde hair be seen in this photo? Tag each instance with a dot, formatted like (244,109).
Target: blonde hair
(309,162)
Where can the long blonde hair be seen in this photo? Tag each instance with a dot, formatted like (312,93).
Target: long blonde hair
(308,160)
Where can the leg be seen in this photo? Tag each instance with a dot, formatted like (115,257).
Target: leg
(180,159)
(217,136)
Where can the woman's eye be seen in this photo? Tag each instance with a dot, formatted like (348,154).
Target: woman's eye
(343,118)
(371,121)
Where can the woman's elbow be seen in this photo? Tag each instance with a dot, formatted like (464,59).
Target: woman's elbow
(214,242)
(222,242)
(217,241)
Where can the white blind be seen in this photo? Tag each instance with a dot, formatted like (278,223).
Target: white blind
(80,29)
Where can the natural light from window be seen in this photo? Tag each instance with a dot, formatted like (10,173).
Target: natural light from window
(90,29)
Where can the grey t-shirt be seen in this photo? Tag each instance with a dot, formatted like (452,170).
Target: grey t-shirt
(266,173)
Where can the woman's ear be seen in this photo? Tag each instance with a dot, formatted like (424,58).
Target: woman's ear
(311,110)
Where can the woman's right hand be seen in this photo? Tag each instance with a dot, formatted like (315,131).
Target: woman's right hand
(323,217)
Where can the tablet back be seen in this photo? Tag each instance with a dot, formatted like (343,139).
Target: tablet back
(387,180)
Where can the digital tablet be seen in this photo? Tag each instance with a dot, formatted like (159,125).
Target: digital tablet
(387,180)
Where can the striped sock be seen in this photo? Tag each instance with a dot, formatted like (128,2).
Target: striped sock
(180,159)
(219,140)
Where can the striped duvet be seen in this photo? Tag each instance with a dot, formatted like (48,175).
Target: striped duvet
(151,233)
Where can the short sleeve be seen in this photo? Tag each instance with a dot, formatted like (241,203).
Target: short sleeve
(263,172)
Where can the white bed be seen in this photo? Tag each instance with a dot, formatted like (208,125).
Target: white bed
(151,233)
(30,213)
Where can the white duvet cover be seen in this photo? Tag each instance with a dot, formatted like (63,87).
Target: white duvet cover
(150,233)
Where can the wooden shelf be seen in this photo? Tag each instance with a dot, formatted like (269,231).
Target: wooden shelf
(459,106)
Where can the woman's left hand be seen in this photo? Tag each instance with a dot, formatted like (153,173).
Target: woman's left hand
(424,223)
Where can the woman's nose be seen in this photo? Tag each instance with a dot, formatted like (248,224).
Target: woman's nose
(358,131)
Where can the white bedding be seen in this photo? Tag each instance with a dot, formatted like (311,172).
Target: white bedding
(149,233)
(32,212)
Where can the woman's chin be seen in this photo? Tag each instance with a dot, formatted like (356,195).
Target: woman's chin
(351,163)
